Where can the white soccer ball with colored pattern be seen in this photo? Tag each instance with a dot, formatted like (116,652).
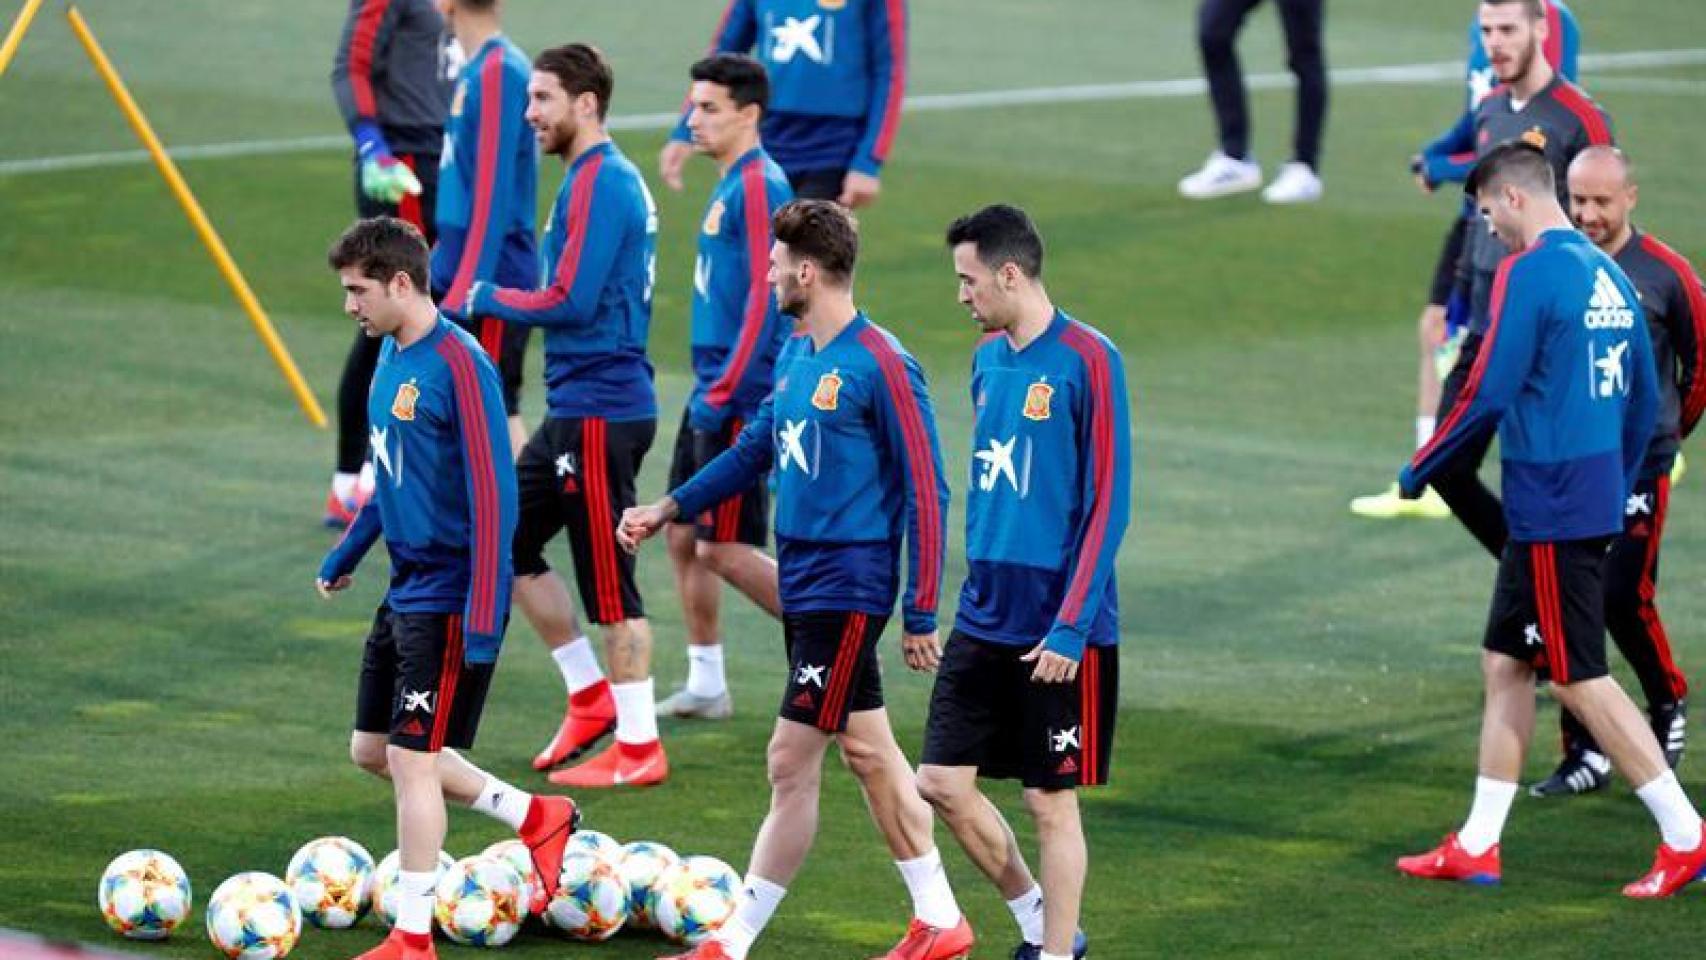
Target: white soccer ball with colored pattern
(516,854)
(144,894)
(253,916)
(332,878)
(481,902)
(592,899)
(695,898)
(383,896)
(640,865)
(595,843)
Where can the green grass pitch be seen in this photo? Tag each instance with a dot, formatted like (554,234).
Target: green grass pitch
(1301,690)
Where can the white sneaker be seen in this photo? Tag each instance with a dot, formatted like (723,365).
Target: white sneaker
(1296,183)
(1221,176)
(683,703)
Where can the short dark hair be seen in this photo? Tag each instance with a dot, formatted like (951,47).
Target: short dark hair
(477,4)
(821,231)
(380,248)
(580,68)
(745,78)
(1515,162)
(1002,234)
(1535,9)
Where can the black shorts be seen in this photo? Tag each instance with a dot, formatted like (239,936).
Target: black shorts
(414,684)
(987,712)
(817,184)
(1549,607)
(832,667)
(416,210)
(506,344)
(742,518)
(1445,268)
(579,474)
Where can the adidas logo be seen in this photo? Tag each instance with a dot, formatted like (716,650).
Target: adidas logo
(413,728)
(1067,766)
(805,701)
(1607,310)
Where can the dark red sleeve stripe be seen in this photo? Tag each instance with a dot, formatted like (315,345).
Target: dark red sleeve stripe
(757,213)
(1694,404)
(1574,100)
(1467,394)
(484,507)
(578,216)
(1095,357)
(361,43)
(485,174)
(897,78)
(919,462)
(1554,52)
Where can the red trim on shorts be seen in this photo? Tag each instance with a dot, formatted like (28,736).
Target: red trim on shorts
(409,208)
(1089,682)
(1543,558)
(492,337)
(448,673)
(601,527)
(727,526)
(1655,628)
(841,674)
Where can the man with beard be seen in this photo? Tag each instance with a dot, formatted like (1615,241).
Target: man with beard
(578,470)
(1602,195)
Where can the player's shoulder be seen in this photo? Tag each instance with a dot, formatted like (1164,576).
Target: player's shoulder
(1652,248)
(767,171)
(1091,344)
(882,347)
(460,352)
(1580,104)
(516,62)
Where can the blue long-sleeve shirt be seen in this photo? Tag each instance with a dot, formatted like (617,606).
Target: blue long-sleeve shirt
(852,436)
(601,247)
(1450,156)
(488,180)
(444,486)
(1565,374)
(1049,496)
(737,329)
(837,77)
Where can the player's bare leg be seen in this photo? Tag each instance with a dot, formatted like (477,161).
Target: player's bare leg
(591,712)
(420,836)
(749,570)
(517,434)
(705,694)
(1064,860)
(978,826)
(637,757)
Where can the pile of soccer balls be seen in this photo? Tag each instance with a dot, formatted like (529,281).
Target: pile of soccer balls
(483,900)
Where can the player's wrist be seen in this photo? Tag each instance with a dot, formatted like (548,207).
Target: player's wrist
(1066,642)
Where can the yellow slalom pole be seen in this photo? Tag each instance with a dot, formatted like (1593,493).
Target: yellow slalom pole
(15,35)
(198,219)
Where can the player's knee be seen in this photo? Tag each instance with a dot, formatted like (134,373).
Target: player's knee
(369,754)
(1051,809)
(682,543)
(942,791)
(715,557)
(1215,35)
(790,773)
(862,759)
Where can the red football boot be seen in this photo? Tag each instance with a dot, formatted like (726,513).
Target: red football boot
(1672,870)
(402,946)
(1449,861)
(619,765)
(340,512)
(590,716)
(550,821)
(924,942)
(706,950)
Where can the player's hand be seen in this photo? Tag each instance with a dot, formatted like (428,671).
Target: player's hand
(921,651)
(671,159)
(1051,667)
(858,190)
(1418,170)
(386,180)
(641,523)
(327,588)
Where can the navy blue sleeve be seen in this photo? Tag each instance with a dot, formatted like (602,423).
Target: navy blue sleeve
(596,214)
(734,470)
(489,475)
(358,538)
(908,424)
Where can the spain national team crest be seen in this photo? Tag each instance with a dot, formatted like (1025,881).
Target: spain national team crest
(714,219)
(1037,401)
(828,393)
(1535,137)
(403,406)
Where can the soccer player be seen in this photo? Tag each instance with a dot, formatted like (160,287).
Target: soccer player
(391,86)
(838,74)
(737,332)
(445,503)
(487,191)
(1447,159)
(1536,106)
(851,435)
(1602,195)
(1029,684)
(578,470)
(1566,377)
(1231,169)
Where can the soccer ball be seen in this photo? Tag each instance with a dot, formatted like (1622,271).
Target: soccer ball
(516,854)
(593,842)
(591,901)
(144,894)
(695,897)
(383,895)
(331,878)
(639,867)
(253,916)
(481,902)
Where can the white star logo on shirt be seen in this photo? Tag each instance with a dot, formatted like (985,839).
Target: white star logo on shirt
(417,700)
(1065,739)
(810,676)
(376,438)
(796,36)
(997,462)
(793,449)
(1481,83)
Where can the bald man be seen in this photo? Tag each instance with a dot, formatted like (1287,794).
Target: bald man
(1602,196)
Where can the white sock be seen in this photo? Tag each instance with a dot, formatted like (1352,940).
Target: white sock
(759,899)
(578,664)
(1678,820)
(414,901)
(636,711)
(1424,431)
(1045,955)
(343,485)
(705,671)
(1487,815)
(1027,909)
(932,898)
(502,802)
(365,481)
